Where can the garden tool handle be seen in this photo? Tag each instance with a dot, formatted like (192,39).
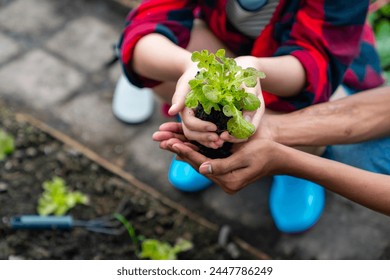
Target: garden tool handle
(41,222)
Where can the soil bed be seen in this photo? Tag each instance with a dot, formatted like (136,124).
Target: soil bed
(39,157)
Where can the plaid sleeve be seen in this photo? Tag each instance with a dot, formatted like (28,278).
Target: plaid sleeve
(365,71)
(325,36)
(172,19)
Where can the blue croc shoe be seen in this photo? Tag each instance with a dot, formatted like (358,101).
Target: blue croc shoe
(295,204)
(185,178)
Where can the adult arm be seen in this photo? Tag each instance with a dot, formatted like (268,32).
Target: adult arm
(366,188)
(352,119)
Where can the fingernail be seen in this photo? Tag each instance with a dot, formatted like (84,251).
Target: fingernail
(206,168)
(212,138)
(175,148)
(247,118)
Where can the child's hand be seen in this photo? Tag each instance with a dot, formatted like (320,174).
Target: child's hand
(253,116)
(193,128)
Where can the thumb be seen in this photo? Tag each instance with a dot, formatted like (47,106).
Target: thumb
(178,99)
(221,166)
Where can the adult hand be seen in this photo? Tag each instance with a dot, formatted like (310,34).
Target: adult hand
(250,160)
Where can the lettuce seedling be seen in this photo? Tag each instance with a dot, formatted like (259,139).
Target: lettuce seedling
(156,250)
(152,248)
(57,200)
(7,145)
(218,86)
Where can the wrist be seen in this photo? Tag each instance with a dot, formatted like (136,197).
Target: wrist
(268,128)
(185,62)
(278,159)
(287,129)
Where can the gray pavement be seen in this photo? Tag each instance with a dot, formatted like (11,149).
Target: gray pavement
(52,66)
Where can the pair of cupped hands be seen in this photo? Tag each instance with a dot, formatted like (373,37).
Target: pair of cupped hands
(232,173)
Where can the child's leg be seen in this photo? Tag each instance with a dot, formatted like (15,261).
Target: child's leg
(201,38)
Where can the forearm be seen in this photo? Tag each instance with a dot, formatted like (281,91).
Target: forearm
(368,189)
(158,58)
(356,118)
(285,75)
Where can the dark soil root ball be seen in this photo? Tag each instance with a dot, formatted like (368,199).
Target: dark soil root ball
(218,118)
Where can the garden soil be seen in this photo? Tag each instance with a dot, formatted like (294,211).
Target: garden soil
(38,157)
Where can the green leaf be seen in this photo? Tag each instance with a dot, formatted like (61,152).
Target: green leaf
(182,245)
(157,250)
(191,100)
(130,230)
(240,128)
(220,53)
(228,110)
(208,105)
(250,102)
(250,82)
(194,83)
(7,145)
(383,42)
(210,93)
(57,200)
(381,26)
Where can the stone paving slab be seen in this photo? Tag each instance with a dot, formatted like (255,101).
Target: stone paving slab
(40,79)
(86,41)
(30,17)
(8,48)
(98,123)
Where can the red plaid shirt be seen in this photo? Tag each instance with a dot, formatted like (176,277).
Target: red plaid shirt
(329,37)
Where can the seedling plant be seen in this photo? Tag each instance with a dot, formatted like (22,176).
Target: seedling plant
(152,248)
(56,199)
(7,145)
(217,95)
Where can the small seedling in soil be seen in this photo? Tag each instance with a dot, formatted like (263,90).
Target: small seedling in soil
(7,145)
(57,199)
(152,248)
(130,230)
(217,95)
(157,250)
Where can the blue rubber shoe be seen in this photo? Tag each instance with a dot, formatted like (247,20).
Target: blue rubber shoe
(295,204)
(185,178)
